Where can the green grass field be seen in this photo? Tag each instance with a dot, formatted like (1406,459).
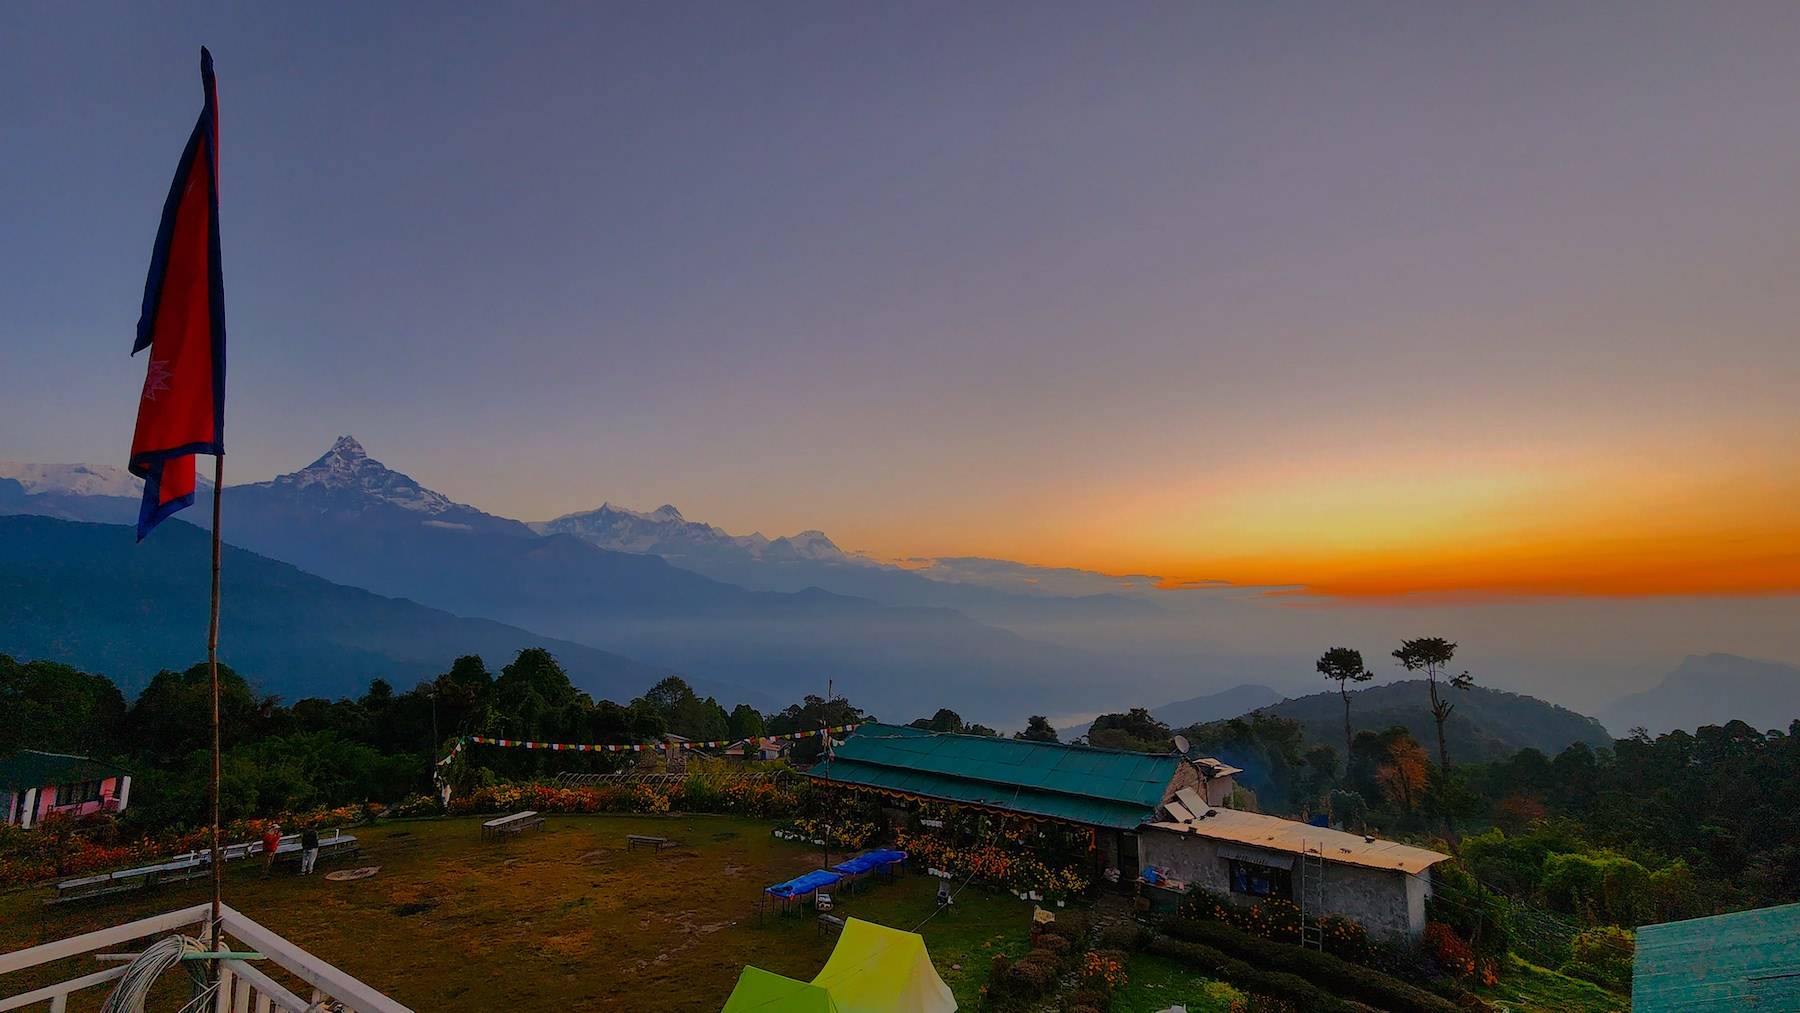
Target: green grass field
(567,918)
(564,918)
(1156,983)
(1528,988)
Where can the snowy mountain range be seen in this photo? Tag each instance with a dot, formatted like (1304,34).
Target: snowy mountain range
(664,532)
(76,479)
(795,613)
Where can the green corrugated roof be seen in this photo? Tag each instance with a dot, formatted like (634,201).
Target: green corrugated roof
(1082,784)
(1747,960)
(29,768)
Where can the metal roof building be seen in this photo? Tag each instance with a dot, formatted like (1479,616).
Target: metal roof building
(1086,785)
(1289,837)
(1748,960)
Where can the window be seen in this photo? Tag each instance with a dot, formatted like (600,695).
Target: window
(1261,880)
(77,793)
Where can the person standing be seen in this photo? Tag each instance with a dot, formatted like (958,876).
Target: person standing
(309,850)
(271,843)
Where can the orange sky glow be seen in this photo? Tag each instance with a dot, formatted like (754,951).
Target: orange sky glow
(1496,525)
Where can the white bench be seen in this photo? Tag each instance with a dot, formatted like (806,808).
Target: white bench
(192,865)
(512,824)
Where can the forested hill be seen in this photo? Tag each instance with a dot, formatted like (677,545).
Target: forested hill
(84,595)
(1488,724)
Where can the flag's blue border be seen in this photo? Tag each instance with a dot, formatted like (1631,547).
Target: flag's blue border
(204,139)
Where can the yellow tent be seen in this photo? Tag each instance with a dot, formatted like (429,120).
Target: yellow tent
(769,992)
(874,969)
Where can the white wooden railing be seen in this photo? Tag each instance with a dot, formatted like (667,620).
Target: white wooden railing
(244,985)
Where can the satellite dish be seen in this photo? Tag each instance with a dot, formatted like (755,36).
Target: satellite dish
(1181,744)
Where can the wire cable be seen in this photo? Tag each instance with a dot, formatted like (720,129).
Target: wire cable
(133,989)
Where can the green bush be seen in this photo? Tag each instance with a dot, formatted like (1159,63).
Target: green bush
(1071,925)
(1345,938)
(1603,955)
(1217,964)
(1120,936)
(1478,914)
(1600,887)
(1339,976)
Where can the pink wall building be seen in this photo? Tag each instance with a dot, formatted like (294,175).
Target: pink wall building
(34,785)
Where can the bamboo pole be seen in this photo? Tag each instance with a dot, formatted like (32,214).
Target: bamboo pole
(212,665)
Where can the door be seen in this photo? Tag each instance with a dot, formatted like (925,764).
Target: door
(1128,860)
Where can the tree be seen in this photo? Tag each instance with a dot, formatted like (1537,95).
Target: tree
(746,722)
(171,717)
(58,709)
(1432,655)
(945,720)
(1037,729)
(812,713)
(1136,729)
(1404,774)
(1345,665)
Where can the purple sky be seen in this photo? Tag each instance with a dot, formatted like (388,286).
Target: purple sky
(1037,281)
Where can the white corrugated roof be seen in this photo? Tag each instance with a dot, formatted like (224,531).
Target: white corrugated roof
(1277,834)
(1219,767)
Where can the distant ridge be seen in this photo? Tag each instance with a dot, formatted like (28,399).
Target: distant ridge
(1487,724)
(1712,689)
(1226,703)
(86,595)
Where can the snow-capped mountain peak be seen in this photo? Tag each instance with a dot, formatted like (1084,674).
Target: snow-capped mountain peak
(73,479)
(346,477)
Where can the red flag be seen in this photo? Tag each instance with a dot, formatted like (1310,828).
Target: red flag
(182,409)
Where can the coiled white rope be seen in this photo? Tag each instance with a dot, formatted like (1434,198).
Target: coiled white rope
(140,975)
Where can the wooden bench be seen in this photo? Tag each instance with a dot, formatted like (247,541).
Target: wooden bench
(830,923)
(515,823)
(636,841)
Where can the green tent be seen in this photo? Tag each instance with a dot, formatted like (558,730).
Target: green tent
(769,992)
(873,969)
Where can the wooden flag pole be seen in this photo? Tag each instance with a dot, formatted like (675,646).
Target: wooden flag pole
(212,666)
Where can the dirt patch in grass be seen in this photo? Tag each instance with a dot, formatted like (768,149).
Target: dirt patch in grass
(562,919)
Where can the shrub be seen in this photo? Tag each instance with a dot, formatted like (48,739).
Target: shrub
(1088,999)
(1476,913)
(1344,938)
(1071,925)
(1274,919)
(1030,977)
(1216,963)
(1338,976)
(1601,887)
(1448,950)
(1104,970)
(1054,944)
(1120,936)
(1224,995)
(1604,955)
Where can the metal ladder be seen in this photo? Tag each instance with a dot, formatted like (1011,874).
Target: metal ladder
(1312,897)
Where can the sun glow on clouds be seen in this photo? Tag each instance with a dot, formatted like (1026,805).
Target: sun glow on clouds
(1618,524)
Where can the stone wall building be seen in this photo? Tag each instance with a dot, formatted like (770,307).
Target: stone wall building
(1250,857)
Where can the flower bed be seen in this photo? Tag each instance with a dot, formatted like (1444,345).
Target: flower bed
(995,863)
(67,846)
